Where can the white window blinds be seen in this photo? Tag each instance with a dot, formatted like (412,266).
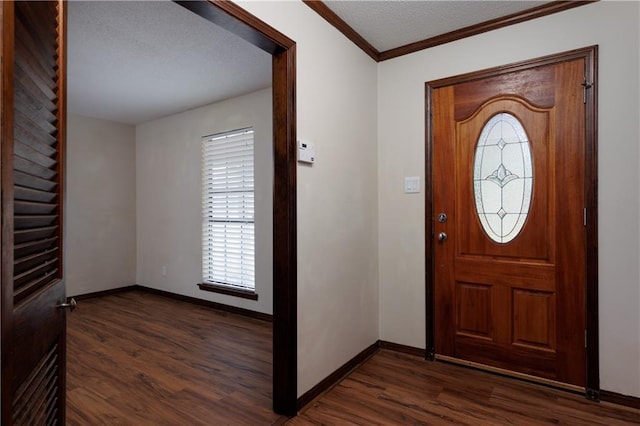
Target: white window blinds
(228,209)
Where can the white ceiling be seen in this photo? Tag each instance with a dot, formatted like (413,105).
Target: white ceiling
(394,23)
(135,61)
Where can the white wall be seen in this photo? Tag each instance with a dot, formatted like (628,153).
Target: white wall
(100,227)
(337,196)
(614,27)
(169,201)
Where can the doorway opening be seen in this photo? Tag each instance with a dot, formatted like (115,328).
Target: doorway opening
(282,50)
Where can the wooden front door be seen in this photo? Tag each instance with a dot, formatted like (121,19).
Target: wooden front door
(509,219)
(32,119)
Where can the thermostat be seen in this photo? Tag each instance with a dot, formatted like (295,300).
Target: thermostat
(306,152)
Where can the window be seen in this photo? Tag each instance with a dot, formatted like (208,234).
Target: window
(503,178)
(228,249)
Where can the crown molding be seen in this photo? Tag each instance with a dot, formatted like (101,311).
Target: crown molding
(536,12)
(331,17)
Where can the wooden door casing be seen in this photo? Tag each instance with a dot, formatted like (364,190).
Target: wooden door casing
(33,327)
(486,273)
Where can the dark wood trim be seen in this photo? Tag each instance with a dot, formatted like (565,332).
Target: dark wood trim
(620,399)
(214,305)
(397,347)
(334,378)
(483,27)
(430,304)
(536,12)
(514,67)
(590,56)
(229,291)
(102,293)
(62,156)
(591,201)
(285,271)
(240,22)
(331,17)
(7,36)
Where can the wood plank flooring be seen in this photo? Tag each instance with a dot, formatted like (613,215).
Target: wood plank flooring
(139,359)
(397,389)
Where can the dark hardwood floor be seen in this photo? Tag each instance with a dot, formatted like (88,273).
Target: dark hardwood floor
(397,389)
(140,359)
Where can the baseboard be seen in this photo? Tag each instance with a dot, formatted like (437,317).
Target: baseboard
(397,347)
(103,293)
(335,377)
(219,306)
(620,399)
(215,305)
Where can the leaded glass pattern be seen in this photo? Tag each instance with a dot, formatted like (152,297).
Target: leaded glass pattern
(503,177)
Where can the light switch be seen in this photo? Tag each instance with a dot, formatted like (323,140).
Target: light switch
(412,185)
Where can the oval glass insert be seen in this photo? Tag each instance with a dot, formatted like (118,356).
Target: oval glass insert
(503,177)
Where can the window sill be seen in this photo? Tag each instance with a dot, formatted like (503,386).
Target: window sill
(229,291)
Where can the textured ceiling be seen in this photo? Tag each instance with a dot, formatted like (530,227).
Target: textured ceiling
(136,61)
(394,23)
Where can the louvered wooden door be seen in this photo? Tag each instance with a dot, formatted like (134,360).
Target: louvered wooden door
(33,327)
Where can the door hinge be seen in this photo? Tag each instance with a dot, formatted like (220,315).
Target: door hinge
(585,86)
(585,339)
(584,217)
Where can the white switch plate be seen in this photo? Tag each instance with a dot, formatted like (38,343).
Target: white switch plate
(412,185)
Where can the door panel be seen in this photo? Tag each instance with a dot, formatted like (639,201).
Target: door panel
(33,327)
(512,299)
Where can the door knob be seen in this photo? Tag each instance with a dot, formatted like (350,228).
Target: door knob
(442,237)
(71,305)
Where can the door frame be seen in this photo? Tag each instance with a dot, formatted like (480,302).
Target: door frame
(590,56)
(283,50)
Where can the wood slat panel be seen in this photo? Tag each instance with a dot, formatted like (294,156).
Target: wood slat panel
(25,120)
(28,194)
(26,130)
(45,82)
(34,285)
(35,412)
(40,110)
(23,264)
(33,398)
(35,104)
(32,234)
(30,181)
(27,166)
(45,32)
(33,221)
(27,390)
(25,249)
(29,42)
(41,142)
(26,151)
(31,208)
(29,85)
(43,269)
